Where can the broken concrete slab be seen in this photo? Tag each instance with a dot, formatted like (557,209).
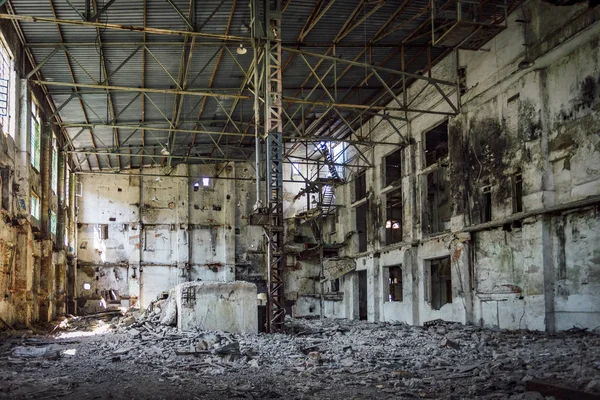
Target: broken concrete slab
(225,306)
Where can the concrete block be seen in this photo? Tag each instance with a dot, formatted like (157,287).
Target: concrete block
(224,306)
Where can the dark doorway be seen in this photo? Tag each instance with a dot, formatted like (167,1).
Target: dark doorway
(362,295)
(441,283)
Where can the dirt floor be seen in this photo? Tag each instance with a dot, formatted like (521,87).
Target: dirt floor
(113,357)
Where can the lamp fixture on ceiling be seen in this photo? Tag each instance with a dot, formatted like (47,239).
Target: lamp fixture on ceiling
(164,151)
(241,50)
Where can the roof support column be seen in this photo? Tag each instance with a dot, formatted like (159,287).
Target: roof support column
(267,40)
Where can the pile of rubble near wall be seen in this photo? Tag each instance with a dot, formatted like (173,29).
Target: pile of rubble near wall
(328,358)
(394,358)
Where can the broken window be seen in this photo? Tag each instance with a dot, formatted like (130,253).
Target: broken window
(54,170)
(393,217)
(5,176)
(517,183)
(53,222)
(361,227)
(436,144)
(35,206)
(436,211)
(360,186)
(486,204)
(440,283)
(437,208)
(5,88)
(392,168)
(395,283)
(35,133)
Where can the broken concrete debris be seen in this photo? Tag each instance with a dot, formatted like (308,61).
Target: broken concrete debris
(329,358)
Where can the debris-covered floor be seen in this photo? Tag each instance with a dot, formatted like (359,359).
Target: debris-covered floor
(136,358)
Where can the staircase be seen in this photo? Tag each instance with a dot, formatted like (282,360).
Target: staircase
(329,161)
(328,203)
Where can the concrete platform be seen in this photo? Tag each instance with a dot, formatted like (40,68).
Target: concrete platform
(224,306)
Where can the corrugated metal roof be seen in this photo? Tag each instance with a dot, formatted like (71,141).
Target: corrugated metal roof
(160,66)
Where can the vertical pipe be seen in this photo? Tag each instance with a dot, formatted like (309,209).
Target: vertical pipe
(256,83)
(141,238)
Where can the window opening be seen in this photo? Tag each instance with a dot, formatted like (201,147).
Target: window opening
(5,88)
(54,171)
(360,186)
(103,231)
(35,145)
(436,144)
(440,284)
(335,285)
(393,217)
(34,207)
(67,185)
(53,222)
(392,168)
(395,283)
(437,209)
(486,204)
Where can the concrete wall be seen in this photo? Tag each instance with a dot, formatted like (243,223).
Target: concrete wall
(162,232)
(34,272)
(536,268)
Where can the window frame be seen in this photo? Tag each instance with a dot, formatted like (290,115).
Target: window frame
(53,221)
(392,285)
(54,165)
(6,70)
(360,176)
(384,173)
(37,211)
(390,238)
(35,145)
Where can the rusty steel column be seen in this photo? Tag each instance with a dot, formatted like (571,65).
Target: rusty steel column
(267,40)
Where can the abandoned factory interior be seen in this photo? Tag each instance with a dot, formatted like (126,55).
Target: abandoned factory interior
(335,199)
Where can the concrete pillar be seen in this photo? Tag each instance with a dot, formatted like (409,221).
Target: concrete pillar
(374,290)
(549,276)
(411,264)
(351,295)
(229,223)
(45,274)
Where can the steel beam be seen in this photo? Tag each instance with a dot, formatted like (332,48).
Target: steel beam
(140,89)
(102,25)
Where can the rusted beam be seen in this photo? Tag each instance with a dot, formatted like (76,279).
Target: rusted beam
(132,28)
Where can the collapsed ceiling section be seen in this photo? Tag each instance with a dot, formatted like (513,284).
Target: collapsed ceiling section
(156,82)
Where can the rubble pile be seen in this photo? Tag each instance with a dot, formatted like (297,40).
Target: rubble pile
(328,358)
